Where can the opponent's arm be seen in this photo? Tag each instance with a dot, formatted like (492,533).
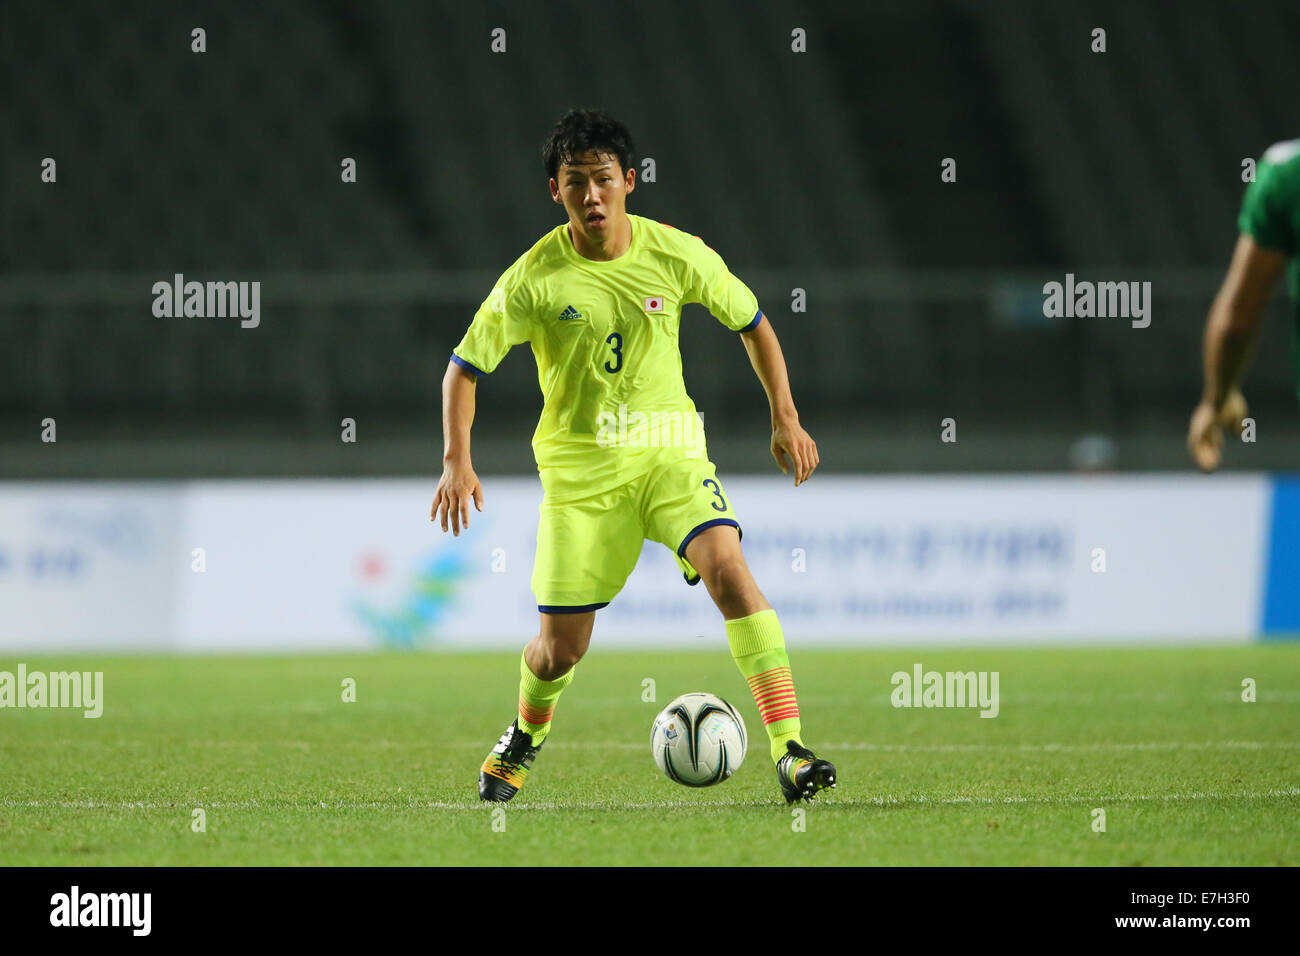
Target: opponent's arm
(1231,334)
(788,436)
(458,483)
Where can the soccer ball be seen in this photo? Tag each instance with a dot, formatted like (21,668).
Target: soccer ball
(698,740)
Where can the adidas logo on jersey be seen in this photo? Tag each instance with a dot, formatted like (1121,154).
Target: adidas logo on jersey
(570,313)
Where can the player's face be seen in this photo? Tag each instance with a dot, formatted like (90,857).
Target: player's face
(593,189)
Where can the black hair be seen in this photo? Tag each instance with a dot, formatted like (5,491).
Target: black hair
(582,131)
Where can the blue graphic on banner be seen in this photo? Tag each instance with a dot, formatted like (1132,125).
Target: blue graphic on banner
(1281,612)
(424,605)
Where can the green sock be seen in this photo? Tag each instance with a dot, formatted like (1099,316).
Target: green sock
(537,699)
(758,647)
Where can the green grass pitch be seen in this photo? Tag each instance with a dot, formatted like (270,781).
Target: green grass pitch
(288,773)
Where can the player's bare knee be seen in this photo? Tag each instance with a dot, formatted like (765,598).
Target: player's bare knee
(554,659)
(560,644)
(727,577)
(563,659)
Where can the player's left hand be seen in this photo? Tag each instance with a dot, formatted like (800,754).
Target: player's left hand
(1205,433)
(790,443)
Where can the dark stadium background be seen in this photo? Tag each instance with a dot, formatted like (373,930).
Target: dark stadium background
(818,171)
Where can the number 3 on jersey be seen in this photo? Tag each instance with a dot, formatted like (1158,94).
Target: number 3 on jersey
(615,342)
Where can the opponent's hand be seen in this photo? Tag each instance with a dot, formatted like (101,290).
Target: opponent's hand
(1205,433)
(790,443)
(455,489)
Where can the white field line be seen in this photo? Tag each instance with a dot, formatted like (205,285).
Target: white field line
(477,805)
(370,744)
(136,709)
(1022,748)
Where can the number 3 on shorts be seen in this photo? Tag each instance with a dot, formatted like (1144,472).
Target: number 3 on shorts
(712,485)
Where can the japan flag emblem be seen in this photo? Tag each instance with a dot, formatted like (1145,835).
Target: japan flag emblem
(654,303)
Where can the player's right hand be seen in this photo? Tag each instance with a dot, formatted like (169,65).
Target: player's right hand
(1205,433)
(455,489)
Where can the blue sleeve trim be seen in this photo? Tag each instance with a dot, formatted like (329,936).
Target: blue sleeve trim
(681,549)
(758,317)
(466,365)
(570,608)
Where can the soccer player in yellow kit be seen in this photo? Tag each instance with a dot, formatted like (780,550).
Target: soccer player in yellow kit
(599,299)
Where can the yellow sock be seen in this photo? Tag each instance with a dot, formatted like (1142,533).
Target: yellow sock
(537,699)
(758,648)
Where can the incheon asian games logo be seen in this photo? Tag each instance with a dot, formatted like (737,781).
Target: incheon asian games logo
(413,617)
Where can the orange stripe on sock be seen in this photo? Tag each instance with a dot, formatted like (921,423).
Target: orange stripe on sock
(537,716)
(766,677)
(773,692)
(780,715)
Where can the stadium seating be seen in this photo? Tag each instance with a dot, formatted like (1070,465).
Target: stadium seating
(824,176)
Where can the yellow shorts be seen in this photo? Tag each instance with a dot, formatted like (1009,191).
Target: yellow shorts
(586,548)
